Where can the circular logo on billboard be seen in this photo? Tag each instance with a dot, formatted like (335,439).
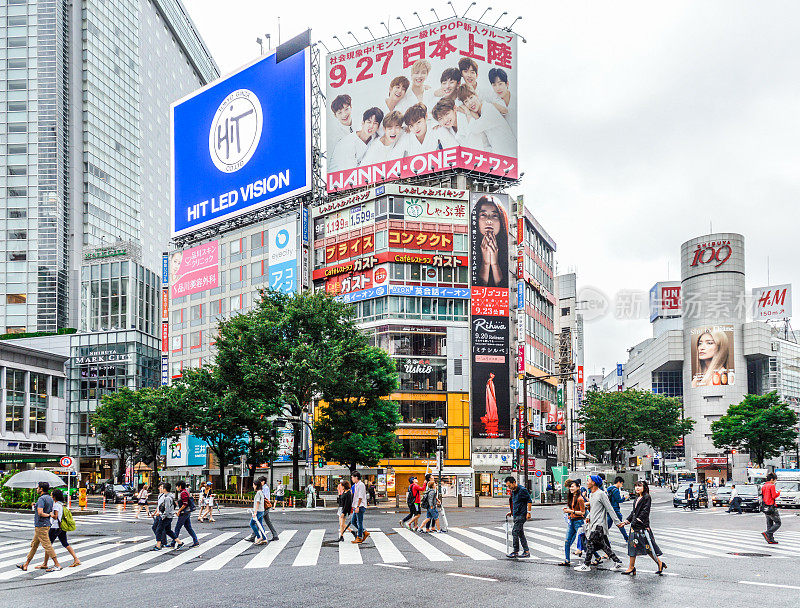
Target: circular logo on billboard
(235,131)
(380,276)
(282,238)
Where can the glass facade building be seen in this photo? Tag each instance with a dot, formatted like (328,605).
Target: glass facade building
(85,90)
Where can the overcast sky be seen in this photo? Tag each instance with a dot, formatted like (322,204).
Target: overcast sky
(641,123)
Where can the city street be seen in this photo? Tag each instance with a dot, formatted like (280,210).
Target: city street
(712,557)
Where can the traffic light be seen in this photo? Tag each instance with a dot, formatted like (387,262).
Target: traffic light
(555,427)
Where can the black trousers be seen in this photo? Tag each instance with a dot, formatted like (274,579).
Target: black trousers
(598,541)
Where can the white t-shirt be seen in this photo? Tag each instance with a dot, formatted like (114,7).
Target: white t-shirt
(493,130)
(377,152)
(339,131)
(58,509)
(412,145)
(348,153)
(359,491)
(511,115)
(428,98)
(265,492)
(280,490)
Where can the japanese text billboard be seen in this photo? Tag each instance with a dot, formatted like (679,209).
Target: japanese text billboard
(242,142)
(194,270)
(489,277)
(712,355)
(433,98)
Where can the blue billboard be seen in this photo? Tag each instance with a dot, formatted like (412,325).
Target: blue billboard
(242,142)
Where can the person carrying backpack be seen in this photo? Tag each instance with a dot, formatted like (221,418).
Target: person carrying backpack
(413,500)
(186,506)
(61,523)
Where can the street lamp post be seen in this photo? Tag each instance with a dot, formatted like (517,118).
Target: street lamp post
(440,426)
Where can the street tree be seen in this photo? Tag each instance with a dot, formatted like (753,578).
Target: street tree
(111,422)
(289,344)
(212,414)
(761,425)
(356,423)
(618,421)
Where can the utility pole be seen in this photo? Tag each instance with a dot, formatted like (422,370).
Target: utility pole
(525,434)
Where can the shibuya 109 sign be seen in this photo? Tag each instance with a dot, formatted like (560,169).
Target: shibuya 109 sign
(429,99)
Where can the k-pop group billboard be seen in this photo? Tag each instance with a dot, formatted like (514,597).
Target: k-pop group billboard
(429,99)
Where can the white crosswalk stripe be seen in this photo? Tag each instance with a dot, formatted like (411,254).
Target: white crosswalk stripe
(309,552)
(111,556)
(428,550)
(271,551)
(189,554)
(349,552)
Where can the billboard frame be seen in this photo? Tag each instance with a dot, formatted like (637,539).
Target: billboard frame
(283,204)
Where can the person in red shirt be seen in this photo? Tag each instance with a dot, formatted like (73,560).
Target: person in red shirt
(413,498)
(768,496)
(184,515)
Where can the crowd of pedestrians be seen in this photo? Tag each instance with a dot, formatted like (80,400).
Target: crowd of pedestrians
(428,497)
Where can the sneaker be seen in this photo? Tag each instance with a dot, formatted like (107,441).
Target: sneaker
(766,536)
(53,569)
(772,541)
(582,568)
(512,555)
(357,541)
(617,566)
(250,538)
(195,544)
(156,549)
(567,564)
(366,534)
(525,554)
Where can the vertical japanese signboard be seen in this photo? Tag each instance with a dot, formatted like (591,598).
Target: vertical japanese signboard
(283,256)
(489,276)
(429,99)
(164,319)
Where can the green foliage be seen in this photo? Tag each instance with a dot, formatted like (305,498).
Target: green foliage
(38,334)
(212,413)
(356,425)
(761,425)
(283,351)
(631,417)
(134,422)
(15,498)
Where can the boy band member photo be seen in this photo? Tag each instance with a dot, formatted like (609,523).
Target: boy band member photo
(419,138)
(386,147)
(342,108)
(419,91)
(469,72)
(449,80)
(498,78)
(447,118)
(397,100)
(488,130)
(350,150)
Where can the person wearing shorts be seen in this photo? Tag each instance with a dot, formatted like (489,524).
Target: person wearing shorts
(56,532)
(141,500)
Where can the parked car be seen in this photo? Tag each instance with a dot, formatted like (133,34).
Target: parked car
(721,497)
(700,495)
(751,497)
(790,493)
(117,492)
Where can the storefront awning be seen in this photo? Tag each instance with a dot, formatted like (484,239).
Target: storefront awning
(454,471)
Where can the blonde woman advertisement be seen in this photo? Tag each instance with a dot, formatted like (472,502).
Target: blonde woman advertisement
(712,356)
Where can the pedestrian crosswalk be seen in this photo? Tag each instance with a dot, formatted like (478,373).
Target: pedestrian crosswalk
(113,555)
(21,522)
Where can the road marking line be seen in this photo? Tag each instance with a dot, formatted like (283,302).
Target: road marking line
(267,555)
(492,544)
(60,553)
(216,562)
(394,566)
(532,546)
(468,550)
(477,578)
(190,553)
(738,543)
(432,553)
(309,552)
(608,597)
(767,584)
(136,546)
(349,552)
(389,553)
(137,560)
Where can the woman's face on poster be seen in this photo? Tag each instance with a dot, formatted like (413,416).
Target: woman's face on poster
(706,347)
(488,219)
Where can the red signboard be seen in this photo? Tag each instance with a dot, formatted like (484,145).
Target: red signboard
(671,298)
(349,249)
(436,259)
(715,253)
(580,374)
(712,462)
(413,239)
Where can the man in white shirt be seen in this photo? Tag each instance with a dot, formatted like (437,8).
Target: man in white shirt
(349,152)
(418,139)
(498,78)
(469,72)
(448,122)
(736,502)
(397,101)
(359,506)
(342,108)
(386,148)
(487,124)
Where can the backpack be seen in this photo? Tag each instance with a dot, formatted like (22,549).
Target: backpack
(425,504)
(67,522)
(191,504)
(410,501)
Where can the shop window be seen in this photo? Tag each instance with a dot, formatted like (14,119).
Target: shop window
(422,374)
(420,448)
(422,411)
(16,298)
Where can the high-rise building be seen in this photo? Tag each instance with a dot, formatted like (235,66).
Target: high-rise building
(85,147)
(84,141)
